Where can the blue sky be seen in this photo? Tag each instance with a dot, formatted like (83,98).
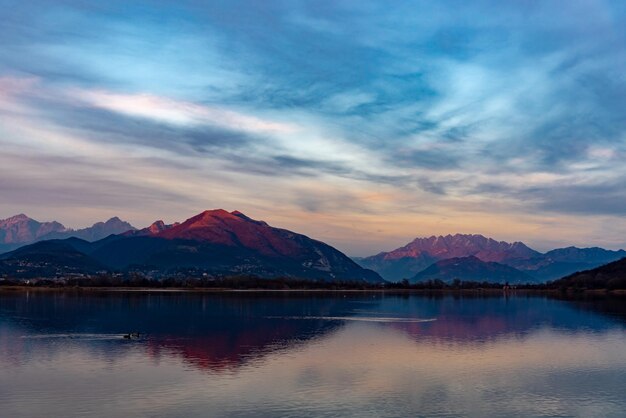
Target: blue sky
(361,123)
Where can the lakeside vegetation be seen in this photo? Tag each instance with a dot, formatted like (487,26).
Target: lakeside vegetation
(251,282)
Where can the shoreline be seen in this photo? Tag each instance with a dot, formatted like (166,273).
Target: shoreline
(569,292)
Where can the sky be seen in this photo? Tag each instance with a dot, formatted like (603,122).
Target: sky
(362,123)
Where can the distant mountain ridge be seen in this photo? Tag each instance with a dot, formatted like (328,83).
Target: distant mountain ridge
(155,228)
(215,242)
(418,255)
(460,245)
(564,261)
(471,269)
(95,232)
(21,230)
(407,261)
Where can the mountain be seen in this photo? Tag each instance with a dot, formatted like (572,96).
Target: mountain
(95,232)
(48,258)
(586,255)
(564,261)
(609,276)
(154,229)
(215,242)
(21,230)
(407,261)
(414,257)
(471,269)
(395,269)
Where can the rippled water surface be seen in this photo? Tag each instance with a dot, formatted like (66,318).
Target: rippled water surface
(309,354)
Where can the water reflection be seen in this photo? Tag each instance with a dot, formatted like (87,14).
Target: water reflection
(212,331)
(301,354)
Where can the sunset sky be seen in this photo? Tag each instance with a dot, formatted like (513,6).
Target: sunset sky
(360,123)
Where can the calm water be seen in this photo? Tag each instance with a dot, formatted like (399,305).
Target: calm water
(273,354)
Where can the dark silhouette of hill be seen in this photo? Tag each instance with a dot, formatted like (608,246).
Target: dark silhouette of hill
(610,276)
(471,269)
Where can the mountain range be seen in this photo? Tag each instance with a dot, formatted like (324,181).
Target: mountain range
(218,242)
(21,230)
(409,261)
(214,242)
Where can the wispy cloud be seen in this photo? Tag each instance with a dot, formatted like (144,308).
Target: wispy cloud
(457,112)
(177,112)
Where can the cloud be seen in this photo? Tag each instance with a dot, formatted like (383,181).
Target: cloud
(447,106)
(176,112)
(599,199)
(433,159)
(11,86)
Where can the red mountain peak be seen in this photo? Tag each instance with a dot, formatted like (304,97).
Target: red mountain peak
(157,227)
(218,226)
(209,217)
(233,229)
(214,213)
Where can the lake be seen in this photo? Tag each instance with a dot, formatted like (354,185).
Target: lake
(255,354)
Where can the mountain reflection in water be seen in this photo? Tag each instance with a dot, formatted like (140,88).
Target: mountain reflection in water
(290,354)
